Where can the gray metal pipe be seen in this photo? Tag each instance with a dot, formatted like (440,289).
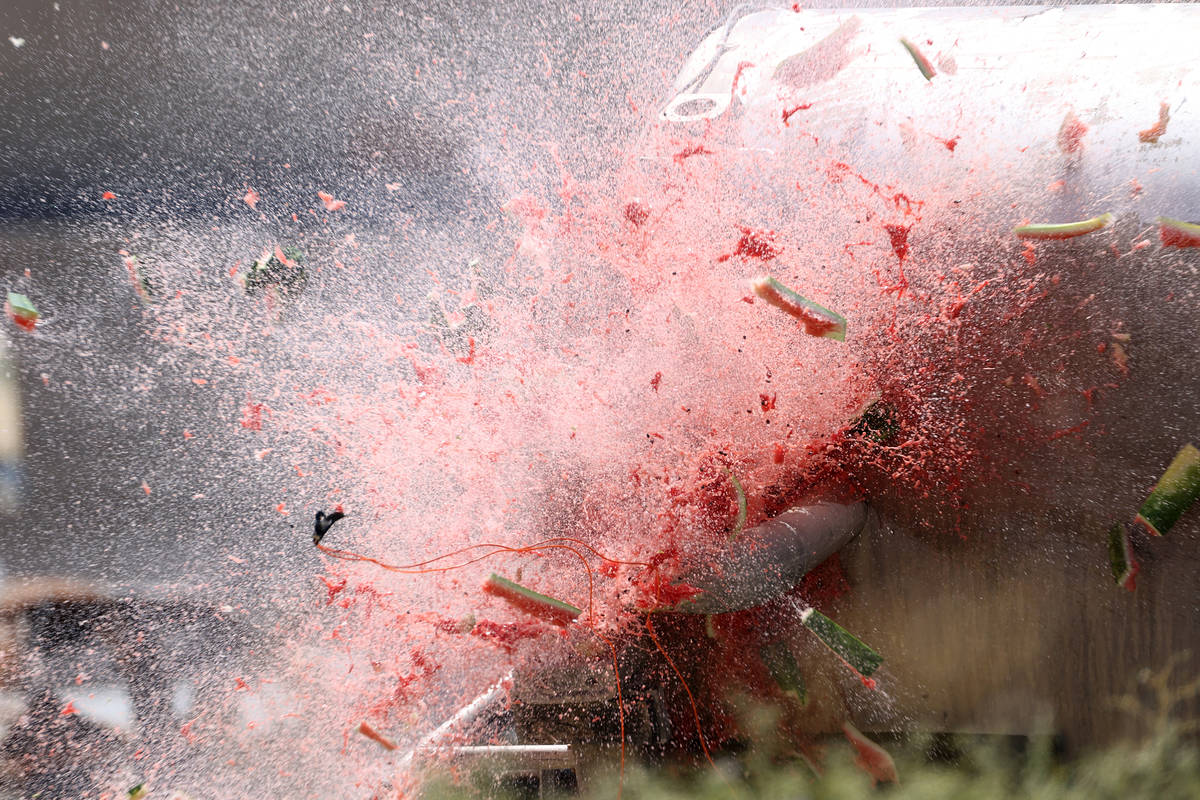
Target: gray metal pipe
(768,560)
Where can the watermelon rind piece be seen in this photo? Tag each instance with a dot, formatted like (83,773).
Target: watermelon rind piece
(21,306)
(923,63)
(1176,490)
(777,657)
(1177,233)
(818,320)
(861,658)
(534,603)
(1064,230)
(1120,556)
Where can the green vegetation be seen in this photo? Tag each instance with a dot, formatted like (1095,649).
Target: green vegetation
(1162,766)
(1165,768)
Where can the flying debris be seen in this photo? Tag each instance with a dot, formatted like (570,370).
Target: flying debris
(323,523)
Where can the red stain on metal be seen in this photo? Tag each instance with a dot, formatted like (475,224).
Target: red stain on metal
(252,414)
(688,152)
(637,213)
(1074,429)
(758,244)
(737,76)
(787,113)
(332,588)
(898,235)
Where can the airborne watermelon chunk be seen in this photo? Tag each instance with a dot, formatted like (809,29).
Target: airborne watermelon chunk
(1064,230)
(870,757)
(1120,555)
(1177,233)
(816,318)
(1177,489)
(22,311)
(539,605)
(923,63)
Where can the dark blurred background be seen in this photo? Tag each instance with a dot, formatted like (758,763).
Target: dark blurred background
(177,107)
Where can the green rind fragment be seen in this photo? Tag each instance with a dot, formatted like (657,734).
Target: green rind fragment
(1177,489)
(137,792)
(269,273)
(145,289)
(777,657)
(741,502)
(1177,232)
(531,595)
(1190,228)
(846,645)
(835,321)
(1120,556)
(1065,230)
(22,306)
(919,58)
